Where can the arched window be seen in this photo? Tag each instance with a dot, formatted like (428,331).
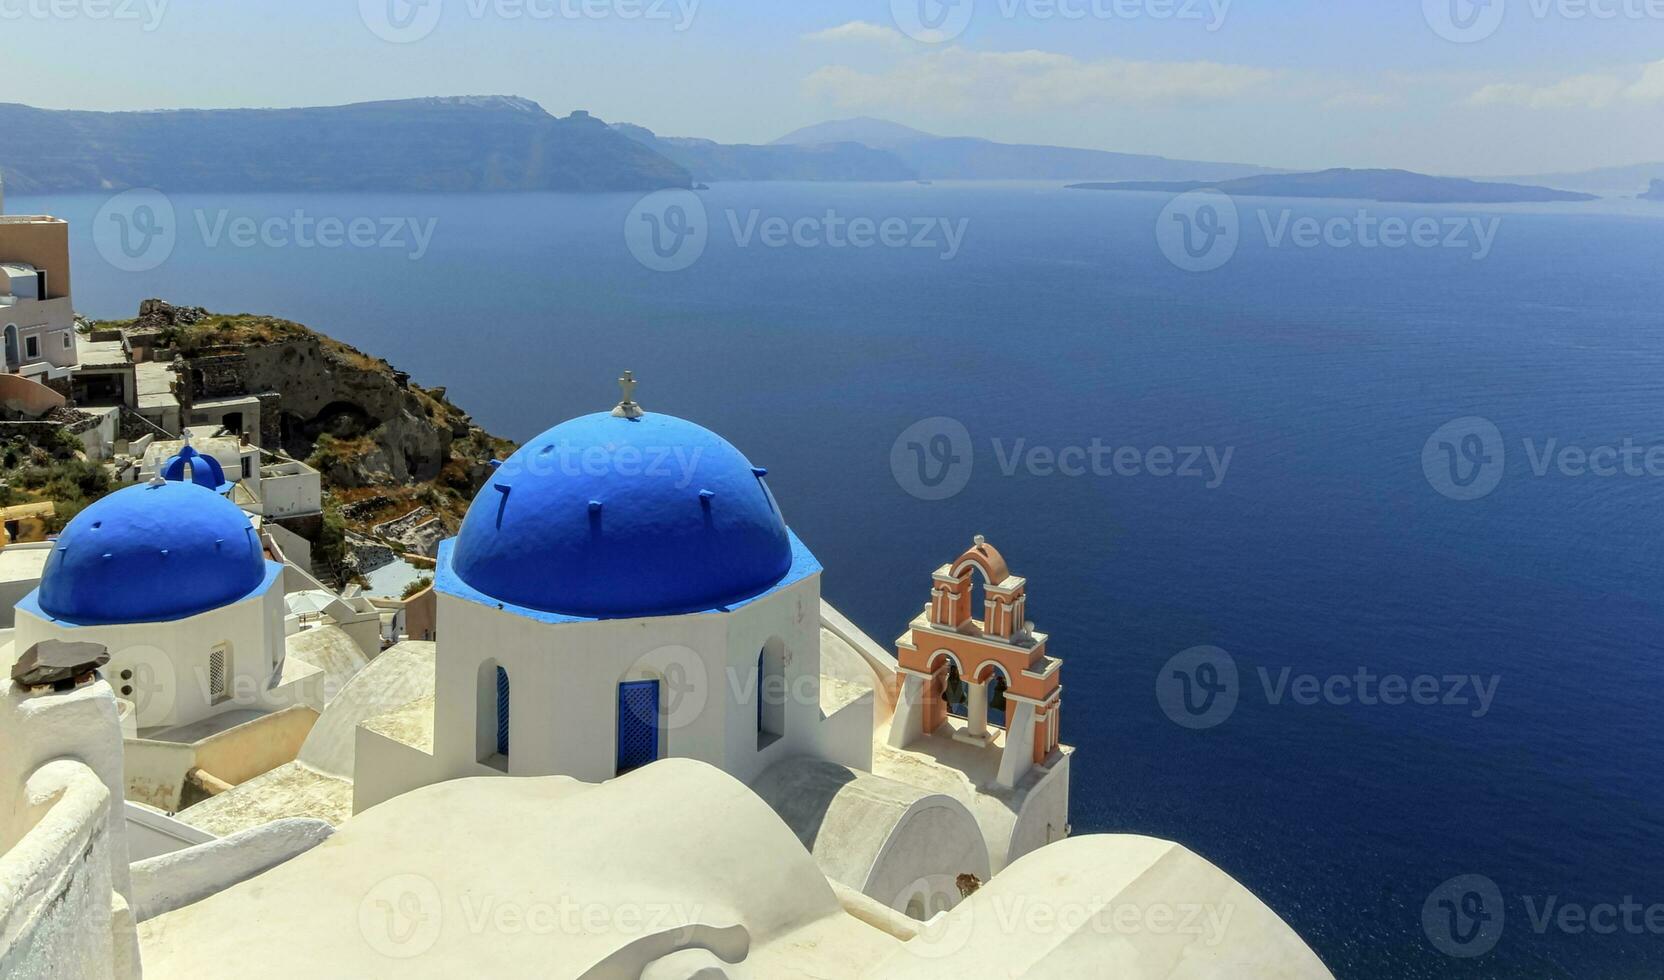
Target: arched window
(492,715)
(771,693)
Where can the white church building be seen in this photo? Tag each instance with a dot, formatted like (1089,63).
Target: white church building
(628,634)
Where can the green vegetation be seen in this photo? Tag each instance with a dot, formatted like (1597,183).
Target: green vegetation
(49,468)
(420,585)
(330,550)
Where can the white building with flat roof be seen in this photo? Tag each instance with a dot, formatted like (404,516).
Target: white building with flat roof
(37,315)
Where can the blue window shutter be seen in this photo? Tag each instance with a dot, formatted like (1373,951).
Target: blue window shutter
(502,712)
(638,724)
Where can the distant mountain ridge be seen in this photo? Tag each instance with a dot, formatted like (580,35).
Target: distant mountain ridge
(470,143)
(709,160)
(1387,186)
(507,143)
(866,130)
(970,158)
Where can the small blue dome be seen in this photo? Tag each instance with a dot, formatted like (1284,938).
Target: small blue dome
(149,553)
(609,517)
(191,466)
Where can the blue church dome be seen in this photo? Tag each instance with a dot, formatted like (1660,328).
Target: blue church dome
(150,553)
(191,466)
(609,517)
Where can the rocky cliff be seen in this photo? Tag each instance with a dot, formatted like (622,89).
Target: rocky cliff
(386,447)
(1655,192)
(488,143)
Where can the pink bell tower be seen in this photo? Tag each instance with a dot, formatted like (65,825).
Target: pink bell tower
(1001,649)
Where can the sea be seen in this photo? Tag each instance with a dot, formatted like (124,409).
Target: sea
(1346,519)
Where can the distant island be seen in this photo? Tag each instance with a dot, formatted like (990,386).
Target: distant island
(1655,192)
(1386,186)
(488,143)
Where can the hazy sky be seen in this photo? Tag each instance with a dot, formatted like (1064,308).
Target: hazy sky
(1451,86)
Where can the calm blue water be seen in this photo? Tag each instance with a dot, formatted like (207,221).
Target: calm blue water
(1324,550)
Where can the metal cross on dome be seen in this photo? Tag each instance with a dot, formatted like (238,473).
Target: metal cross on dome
(628,409)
